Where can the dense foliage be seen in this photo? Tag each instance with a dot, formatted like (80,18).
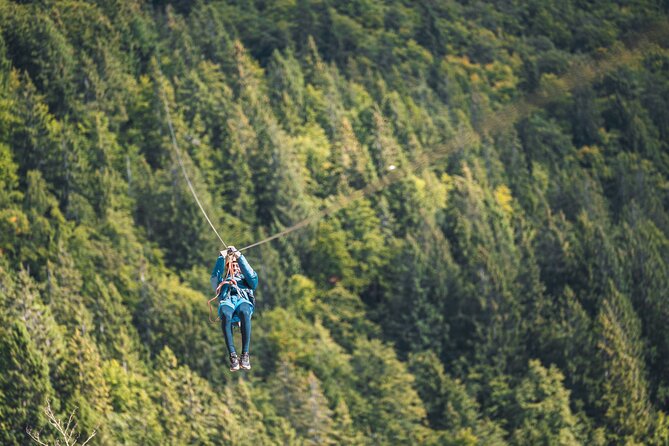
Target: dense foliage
(513,292)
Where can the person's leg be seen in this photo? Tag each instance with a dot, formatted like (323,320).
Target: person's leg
(226,325)
(244,311)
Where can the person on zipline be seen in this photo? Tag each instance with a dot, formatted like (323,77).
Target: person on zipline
(234,281)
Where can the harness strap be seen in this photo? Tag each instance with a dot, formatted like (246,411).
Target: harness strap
(230,280)
(211,312)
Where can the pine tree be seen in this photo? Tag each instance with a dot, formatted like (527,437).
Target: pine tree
(81,384)
(23,300)
(392,410)
(135,418)
(624,393)
(647,268)
(45,218)
(24,384)
(286,83)
(237,179)
(169,400)
(298,397)
(541,409)
(343,431)
(448,404)
(352,163)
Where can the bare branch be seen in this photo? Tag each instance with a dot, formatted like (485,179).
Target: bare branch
(69,420)
(90,437)
(35,436)
(67,433)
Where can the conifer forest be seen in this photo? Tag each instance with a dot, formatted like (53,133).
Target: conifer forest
(470,201)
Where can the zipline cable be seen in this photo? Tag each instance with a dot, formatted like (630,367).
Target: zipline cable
(183,168)
(341,201)
(582,73)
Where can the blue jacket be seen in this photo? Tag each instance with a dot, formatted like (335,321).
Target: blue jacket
(248,280)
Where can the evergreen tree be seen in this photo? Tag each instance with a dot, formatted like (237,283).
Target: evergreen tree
(82,386)
(624,398)
(298,397)
(542,407)
(24,384)
(392,410)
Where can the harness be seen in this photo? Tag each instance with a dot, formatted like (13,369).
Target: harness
(229,280)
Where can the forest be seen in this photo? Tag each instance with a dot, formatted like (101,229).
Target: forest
(479,192)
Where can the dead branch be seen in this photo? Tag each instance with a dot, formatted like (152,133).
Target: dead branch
(67,432)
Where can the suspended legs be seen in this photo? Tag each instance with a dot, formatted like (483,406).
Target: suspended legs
(244,313)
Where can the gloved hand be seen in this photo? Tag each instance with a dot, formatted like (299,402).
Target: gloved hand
(232,251)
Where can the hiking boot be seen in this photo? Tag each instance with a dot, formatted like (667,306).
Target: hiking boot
(246,362)
(234,362)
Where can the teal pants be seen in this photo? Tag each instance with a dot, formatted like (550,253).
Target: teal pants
(243,313)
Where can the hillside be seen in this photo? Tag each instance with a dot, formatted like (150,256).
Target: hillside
(475,197)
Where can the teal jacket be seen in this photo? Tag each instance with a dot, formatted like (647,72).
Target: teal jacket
(246,282)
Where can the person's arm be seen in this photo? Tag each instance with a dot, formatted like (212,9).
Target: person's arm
(217,272)
(250,275)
